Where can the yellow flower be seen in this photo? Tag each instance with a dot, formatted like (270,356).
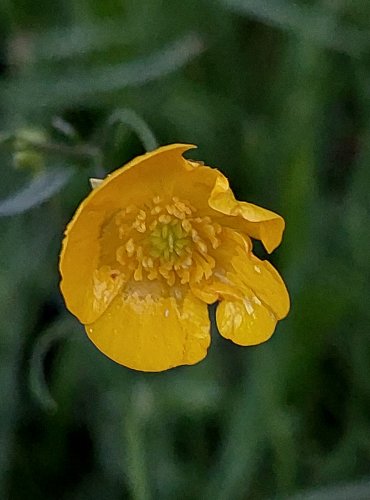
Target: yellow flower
(152,245)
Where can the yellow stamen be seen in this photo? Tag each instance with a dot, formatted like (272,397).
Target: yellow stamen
(166,242)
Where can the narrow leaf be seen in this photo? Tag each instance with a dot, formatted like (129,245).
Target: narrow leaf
(74,41)
(309,23)
(132,120)
(41,188)
(58,332)
(61,89)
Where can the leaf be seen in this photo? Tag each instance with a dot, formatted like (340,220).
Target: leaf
(62,89)
(132,120)
(310,23)
(59,331)
(342,491)
(41,188)
(80,40)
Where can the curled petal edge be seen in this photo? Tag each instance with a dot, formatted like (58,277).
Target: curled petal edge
(257,222)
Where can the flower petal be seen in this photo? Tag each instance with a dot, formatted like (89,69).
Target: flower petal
(245,322)
(257,222)
(87,289)
(251,317)
(153,335)
(258,276)
(252,293)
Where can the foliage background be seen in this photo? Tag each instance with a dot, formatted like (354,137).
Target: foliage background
(276,94)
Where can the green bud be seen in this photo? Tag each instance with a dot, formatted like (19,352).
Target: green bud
(30,160)
(25,154)
(26,137)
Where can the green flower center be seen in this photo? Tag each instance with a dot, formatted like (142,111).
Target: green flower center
(169,240)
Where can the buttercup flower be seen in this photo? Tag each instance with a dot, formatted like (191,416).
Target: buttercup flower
(152,245)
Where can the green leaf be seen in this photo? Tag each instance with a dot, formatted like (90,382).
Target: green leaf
(40,189)
(342,491)
(62,89)
(309,23)
(132,120)
(58,332)
(74,41)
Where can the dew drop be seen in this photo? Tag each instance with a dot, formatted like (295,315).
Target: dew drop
(238,320)
(256,300)
(248,307)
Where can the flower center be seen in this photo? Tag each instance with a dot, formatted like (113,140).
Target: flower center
(169,241)
(164,241)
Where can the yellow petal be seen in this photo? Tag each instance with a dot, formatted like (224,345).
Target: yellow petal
(154,173)
(79,259)
(262,279)
(87,289)
(149,335)
(252,293)
(244,321)
(204,293)
(257,222)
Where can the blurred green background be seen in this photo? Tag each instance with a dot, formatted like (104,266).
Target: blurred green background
(276,95)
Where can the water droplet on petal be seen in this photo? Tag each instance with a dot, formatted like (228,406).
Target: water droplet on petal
(248,307)
(256,300)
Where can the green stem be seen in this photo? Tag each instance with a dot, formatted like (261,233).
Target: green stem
(133,430)
(132,120)
(78,151)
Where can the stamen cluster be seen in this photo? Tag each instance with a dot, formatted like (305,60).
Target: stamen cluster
(166,241)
